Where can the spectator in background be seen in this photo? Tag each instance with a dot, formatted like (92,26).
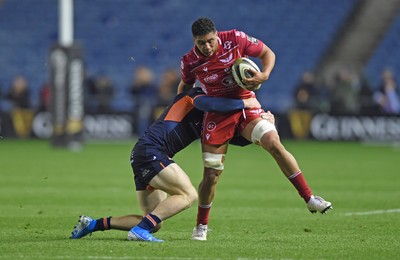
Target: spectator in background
(306,93)
(306,99)
(144,93)
(21,113)
(365,96)
(89,91)
(387,97)
(345,93)
(44,102)
(103,93)
(166,90)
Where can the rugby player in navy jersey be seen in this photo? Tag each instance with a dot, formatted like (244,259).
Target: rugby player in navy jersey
(155,172)
(210,62)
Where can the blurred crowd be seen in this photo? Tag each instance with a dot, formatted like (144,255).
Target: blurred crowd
(349,94)
(148,97)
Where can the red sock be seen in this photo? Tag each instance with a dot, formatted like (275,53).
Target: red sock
(301,185)
(202,214)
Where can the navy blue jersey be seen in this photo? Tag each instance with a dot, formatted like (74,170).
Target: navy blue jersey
(177,127)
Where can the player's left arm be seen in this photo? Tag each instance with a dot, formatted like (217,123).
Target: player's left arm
(267,57)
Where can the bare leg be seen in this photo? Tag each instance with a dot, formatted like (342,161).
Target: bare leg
(208,184)
(125,223)
(174,181)
(270,141)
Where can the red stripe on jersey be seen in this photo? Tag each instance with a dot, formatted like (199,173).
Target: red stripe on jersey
(180,109)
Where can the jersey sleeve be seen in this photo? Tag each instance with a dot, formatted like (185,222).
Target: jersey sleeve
(187,76)
(248,44)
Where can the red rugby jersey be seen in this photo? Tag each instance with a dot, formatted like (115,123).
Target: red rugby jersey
(215,73)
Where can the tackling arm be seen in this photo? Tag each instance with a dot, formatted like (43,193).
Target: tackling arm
(217,104)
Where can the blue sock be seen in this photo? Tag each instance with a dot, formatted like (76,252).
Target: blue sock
(102,224)
(149,222)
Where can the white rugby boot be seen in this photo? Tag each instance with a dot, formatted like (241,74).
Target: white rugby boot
(317,203)
(200,232)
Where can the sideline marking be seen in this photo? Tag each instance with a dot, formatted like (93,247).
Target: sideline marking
(374,212)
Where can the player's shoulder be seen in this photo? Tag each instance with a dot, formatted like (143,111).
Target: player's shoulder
(190,56)
(191,60)
(231,34)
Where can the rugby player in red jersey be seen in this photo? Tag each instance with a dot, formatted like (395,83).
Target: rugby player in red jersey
(210,62)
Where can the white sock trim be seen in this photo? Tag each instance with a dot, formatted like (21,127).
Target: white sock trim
(205,206)
(294,175)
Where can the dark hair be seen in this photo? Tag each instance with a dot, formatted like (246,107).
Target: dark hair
(203,26)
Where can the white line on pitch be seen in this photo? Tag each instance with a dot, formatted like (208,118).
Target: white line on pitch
(374,212)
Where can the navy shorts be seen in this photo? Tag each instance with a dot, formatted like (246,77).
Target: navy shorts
(146,163)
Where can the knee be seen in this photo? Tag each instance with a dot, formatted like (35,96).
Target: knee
(190,196)
(211,176)
(272,143)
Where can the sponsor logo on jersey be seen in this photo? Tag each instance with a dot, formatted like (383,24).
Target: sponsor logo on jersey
(240,34)
(228,81)
(252,39)
(227,45)
(227,60)
(211,126)
(208,136)
(205,69)
(211,78)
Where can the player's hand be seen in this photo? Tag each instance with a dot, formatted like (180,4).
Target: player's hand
(268,116)
(251,103)
(257,79)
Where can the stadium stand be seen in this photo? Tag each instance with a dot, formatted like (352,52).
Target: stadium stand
(118,36)
(387,55)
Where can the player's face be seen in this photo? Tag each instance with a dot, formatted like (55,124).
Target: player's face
(207,44)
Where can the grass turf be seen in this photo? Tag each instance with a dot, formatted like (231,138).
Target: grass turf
(257,214)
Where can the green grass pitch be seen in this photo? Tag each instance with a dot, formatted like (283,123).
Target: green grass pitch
(257,214)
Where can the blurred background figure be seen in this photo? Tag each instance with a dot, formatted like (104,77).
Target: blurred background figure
(365,96)
(345,93)
(103,94)
(387,97)
(307,101)
(144,93)
(44,97)
(21,112)
(307,93)
(167,90)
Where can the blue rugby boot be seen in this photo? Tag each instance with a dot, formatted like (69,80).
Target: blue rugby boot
(140,234)
(85,226)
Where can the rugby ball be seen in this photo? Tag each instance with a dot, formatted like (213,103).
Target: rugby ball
(240,70)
